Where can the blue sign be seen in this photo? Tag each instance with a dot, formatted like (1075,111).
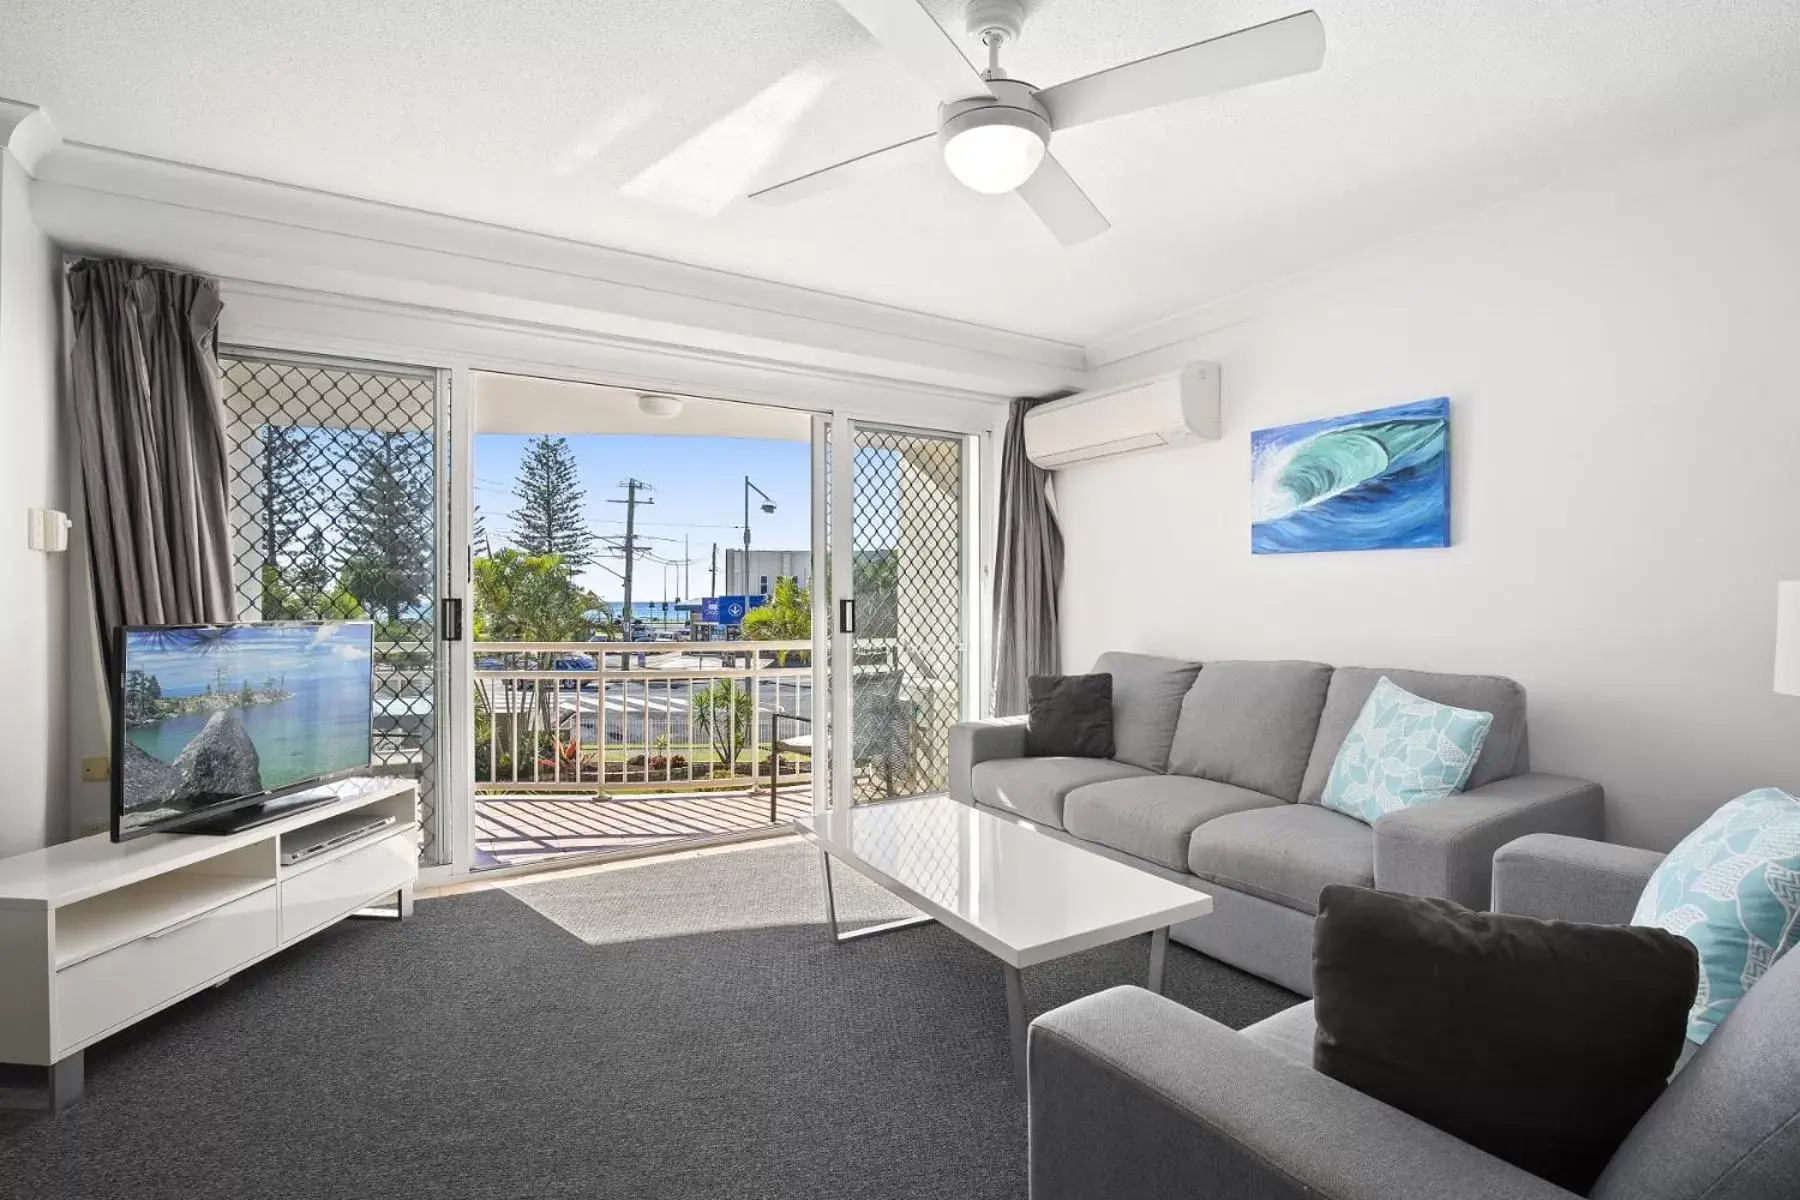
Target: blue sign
(729,610)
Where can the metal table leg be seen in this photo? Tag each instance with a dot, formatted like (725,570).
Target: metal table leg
(403,907)
(1015,1015)
(1159,952)
(831,919)
(830,901)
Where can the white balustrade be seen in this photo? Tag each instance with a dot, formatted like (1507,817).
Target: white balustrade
(615,716)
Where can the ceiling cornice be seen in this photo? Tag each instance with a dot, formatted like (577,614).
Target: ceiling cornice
(95,200)
(269,317)
(27,133)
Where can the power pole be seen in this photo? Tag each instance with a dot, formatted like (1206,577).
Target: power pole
(715,570)
(632,488)
(687,560)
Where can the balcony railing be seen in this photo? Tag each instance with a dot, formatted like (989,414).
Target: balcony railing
(592,717)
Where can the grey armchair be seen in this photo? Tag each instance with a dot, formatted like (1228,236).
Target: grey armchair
(1135,1096)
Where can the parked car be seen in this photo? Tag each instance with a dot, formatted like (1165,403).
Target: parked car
(572,662)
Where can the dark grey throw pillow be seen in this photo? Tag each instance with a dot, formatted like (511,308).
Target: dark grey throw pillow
(1541,1042)
(1071,715)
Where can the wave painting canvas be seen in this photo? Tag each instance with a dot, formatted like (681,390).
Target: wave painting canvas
(1377,480)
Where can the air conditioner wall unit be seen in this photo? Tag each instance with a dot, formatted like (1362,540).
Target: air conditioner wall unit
(1168,410)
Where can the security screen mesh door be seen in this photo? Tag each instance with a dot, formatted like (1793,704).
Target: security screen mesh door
(908,654)
(334,503)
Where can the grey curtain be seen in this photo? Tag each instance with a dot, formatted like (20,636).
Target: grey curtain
(144,378)
(1028,571)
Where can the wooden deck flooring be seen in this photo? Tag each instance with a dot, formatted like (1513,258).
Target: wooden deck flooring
(517,830)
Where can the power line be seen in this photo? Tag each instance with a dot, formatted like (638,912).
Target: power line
(642,537)
(665,524)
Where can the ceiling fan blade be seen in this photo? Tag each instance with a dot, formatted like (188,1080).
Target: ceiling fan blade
(863,166)
(1060,204)
(911,35)
(1290,46)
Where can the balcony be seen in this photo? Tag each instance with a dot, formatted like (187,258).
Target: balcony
(598,747)
(516,830)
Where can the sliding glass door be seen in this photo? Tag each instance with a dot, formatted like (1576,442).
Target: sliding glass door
(902,572)
(346,504)
(336,492)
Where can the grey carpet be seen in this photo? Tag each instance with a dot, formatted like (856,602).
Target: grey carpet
(680,1030)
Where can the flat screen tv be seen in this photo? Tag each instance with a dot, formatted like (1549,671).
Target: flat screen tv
(213,718)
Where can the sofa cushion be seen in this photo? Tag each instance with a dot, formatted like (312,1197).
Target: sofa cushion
(1251,724)
(1147,693)
(1071,715)
(1152,816)
(1541,1042)
(1731,887)
(1502,755)
(1404,751)
(1285,855)
(1728,1126)
(1034,788)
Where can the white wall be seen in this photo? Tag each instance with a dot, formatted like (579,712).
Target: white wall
(33,594)
(1626,455)
(90,714)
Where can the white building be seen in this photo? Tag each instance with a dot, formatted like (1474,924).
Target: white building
(766,566)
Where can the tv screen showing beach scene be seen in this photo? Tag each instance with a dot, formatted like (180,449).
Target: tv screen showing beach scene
(213,714)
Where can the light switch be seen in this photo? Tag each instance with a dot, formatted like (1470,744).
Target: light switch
(47,529)
(96,769)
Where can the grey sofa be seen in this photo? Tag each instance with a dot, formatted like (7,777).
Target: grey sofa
(1134,1095)
(1216,778)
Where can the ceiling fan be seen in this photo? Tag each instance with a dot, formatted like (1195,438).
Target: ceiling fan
(994,131)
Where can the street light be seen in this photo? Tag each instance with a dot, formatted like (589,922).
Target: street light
(768,506)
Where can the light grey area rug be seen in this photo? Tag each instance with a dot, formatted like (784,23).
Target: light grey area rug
(682,1029)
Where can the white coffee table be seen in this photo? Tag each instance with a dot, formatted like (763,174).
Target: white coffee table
(1024,897)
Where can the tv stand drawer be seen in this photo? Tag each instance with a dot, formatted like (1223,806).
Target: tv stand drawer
(108,990)
(316,895)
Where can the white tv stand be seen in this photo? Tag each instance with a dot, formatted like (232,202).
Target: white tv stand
(95,936)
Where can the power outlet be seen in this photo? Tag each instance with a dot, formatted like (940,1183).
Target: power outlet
(96,770)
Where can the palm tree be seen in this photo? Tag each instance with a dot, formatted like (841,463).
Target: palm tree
(722,713)
(786,617)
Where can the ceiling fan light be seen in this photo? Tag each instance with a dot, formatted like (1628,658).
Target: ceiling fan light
(994,149)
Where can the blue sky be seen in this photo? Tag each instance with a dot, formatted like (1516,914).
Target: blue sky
(699,484)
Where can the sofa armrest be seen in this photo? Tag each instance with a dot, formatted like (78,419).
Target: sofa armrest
(1571,879)
(1134,1096)
(1446,848)
(974,742)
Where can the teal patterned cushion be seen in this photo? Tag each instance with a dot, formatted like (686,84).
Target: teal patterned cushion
(1403,750)
(1731,887)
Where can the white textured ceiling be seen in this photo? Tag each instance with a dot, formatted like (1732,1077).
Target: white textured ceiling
(639,125)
